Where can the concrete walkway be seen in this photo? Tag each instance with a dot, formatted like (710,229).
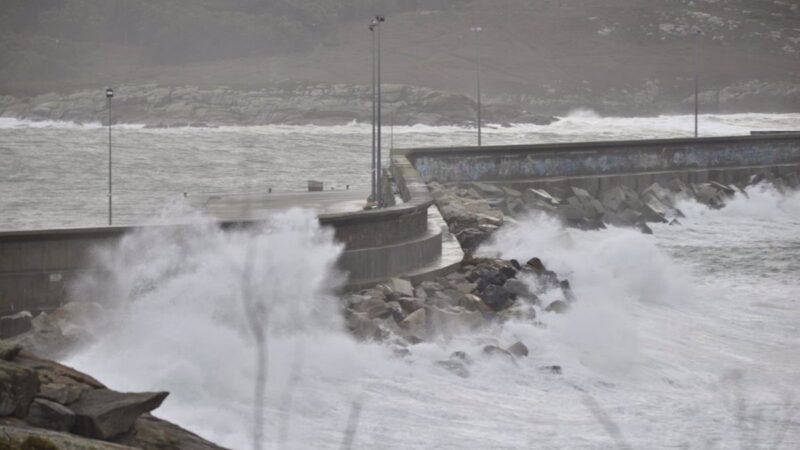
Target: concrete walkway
(254,206)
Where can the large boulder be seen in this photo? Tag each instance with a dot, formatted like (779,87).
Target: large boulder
(401,286)
(496,297)
(104,414)
(24,438)
(18,387)
(50,415)
(8,350)
(15,324)
(153,433)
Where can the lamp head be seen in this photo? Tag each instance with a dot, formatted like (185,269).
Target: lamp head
(109,92)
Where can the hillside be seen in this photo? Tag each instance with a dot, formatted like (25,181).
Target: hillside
(617,56)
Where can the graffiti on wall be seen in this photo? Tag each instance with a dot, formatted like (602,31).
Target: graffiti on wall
(453,166)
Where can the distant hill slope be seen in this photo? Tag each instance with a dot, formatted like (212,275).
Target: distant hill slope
(618,56)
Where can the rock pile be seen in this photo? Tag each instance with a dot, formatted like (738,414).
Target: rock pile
(474,210)
(471,212)
(45,405)
(482,291)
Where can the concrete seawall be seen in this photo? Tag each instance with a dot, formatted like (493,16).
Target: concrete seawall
(529,163)
(37,267)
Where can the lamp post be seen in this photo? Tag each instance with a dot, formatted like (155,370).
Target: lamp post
(375,28)
(372,26)
(697,33)
(109,96)
(476,31)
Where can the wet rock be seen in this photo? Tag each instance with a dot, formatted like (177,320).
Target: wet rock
(487,189)
(416,321)
(518,288)
(518,349)
(536,265)
(410,304)
(472,302)
(104,414)
(495,351)
(454,366)
(461,356)
(515,264)
(18,387)
(363,327)
(8,350)
(566,289)
(496,297)
(401,286)
(50,415)
(644,228)
(557,306)
(16,324)
(555,370)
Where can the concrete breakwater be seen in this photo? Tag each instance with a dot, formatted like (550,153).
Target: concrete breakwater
(588,185)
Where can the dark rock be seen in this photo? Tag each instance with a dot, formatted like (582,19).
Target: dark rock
(508,272)
(518,349)
(18,387)
(495,351)
(557,306)
(496,297)
(50,415)
(644,228)
(555,370)
(461,356)
(518,288)
(566,289)
(9,351)
(104,414)
(515,264)
(454,366)
(152,433)
(536,265)
(15,324)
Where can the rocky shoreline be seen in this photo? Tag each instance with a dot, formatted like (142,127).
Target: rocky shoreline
(474,211)
(284,103)
(45,405)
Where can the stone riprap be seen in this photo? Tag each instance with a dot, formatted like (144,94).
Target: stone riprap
(45,405)
(482,292)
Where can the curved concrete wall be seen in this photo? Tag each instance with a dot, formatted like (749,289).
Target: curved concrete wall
(36,267)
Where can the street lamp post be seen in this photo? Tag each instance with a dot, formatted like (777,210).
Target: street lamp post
(375,28)
(109,96)
(696,81)
(374,196)
(476,31)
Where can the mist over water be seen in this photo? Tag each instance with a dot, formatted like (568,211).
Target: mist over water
(686,338)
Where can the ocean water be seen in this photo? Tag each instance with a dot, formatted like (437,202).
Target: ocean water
(687,338)
(55,174)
